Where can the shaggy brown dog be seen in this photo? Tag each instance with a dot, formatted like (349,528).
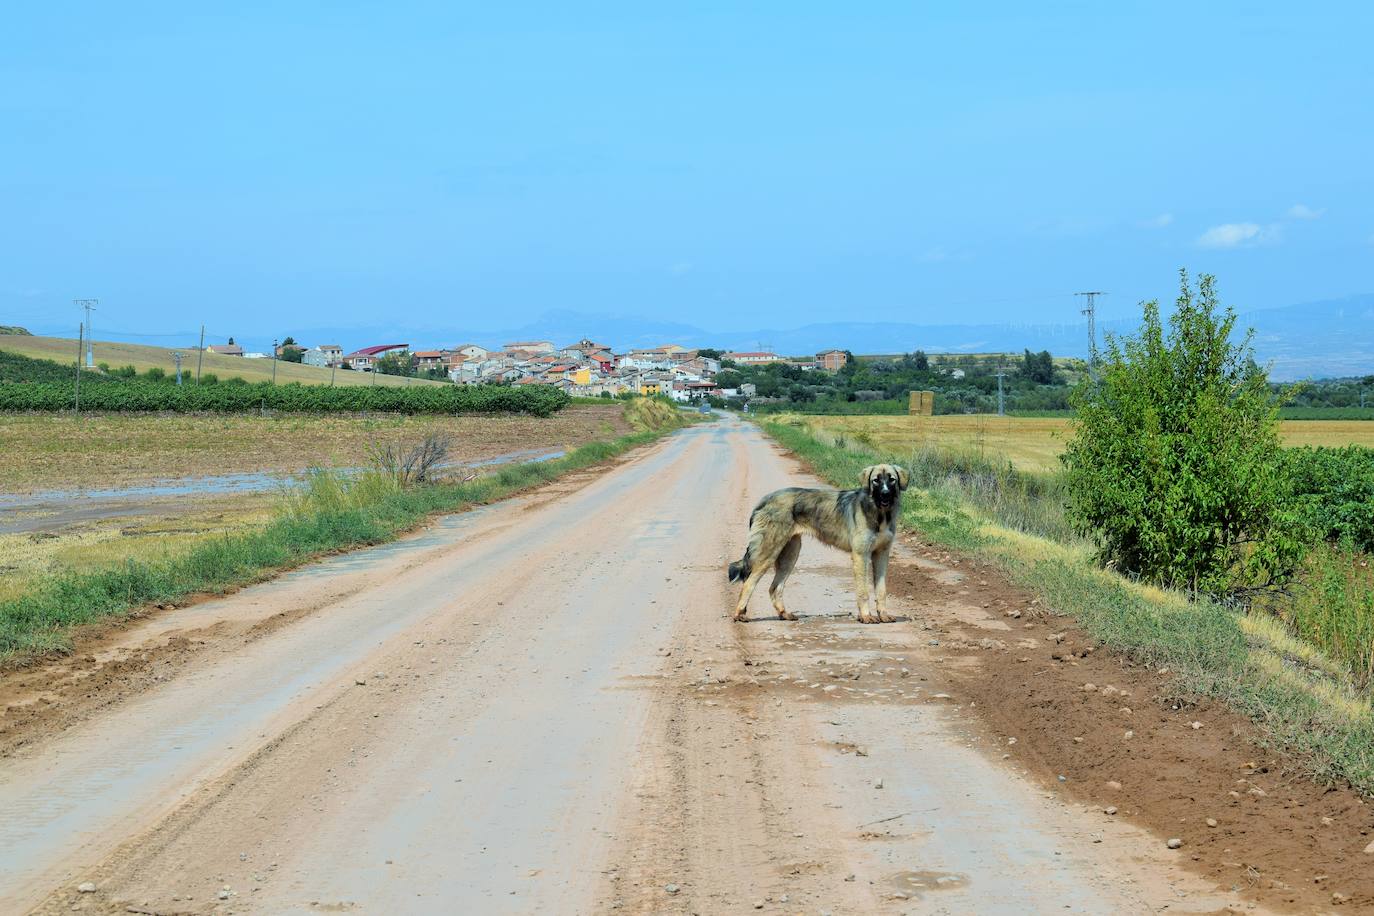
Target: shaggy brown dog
(861,521)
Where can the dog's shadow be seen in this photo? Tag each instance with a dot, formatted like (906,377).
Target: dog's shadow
(802,618)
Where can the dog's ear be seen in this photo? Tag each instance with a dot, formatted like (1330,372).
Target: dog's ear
(866,475)
(903,478)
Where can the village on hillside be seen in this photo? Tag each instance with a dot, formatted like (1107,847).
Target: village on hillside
(582,369)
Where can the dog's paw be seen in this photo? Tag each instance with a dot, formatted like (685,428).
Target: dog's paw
(885,618)
(739,618)
(786,615)
(864,618)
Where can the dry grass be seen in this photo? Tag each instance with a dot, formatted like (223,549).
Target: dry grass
(143,357)
(1034,443)
(60,451)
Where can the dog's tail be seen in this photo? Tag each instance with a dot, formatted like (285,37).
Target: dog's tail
(741,570)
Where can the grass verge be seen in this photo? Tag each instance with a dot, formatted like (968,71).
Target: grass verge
(1302,701)
(328,515)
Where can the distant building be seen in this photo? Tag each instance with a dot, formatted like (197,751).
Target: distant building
(471,351)
(752,358)
(365,360)
(832,360)
(534,346)
(428,359)
(229,349)
(325,355)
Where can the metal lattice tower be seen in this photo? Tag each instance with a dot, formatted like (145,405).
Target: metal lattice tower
(89,306)
(1090,309)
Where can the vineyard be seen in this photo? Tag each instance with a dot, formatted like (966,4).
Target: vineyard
(151,396)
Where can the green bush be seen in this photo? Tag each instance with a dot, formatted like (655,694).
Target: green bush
(1175,469)
(1333,489)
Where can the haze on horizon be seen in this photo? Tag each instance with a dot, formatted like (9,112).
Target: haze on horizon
(268,169)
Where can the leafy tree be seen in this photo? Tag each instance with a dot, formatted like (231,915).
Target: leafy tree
(397,362)
(710,353)
(1038,367)
(729,378)
(920,362)
(291,352)
(1175,467)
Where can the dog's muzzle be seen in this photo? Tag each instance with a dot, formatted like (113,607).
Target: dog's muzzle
(884,495)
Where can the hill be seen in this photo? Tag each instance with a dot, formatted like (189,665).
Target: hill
(142,357)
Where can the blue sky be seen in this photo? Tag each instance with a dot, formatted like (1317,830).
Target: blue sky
(274,167)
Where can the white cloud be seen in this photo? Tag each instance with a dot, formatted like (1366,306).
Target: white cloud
(1161,221)
(1238,235)
(1302,211)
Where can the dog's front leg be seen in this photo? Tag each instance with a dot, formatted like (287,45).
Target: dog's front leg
(880,582)
(863,575)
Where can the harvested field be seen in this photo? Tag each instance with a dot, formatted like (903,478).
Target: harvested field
(1034,443)
(69,454)
(66,451)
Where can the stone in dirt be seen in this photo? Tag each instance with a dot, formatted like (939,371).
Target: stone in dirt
(672,888)
(86,887)
(1174,843)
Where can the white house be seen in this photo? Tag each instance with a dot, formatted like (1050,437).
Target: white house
(536,346)
(471,351)
(753,358)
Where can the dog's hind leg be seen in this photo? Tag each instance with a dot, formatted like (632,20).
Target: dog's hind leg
(742,606)
(786,560)
(880,582)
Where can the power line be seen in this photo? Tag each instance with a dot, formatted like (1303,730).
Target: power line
(89,306)
(1090,309)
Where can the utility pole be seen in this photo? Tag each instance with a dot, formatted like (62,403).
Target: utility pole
(274,362)
(1090,309)
(177,356)
(1001,400)
(200,354)
(80,340)
(89,306)
(333,367)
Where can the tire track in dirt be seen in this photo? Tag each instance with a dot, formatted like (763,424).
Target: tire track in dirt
(821,766)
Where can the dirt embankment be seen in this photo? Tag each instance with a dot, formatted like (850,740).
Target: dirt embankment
(1118,736)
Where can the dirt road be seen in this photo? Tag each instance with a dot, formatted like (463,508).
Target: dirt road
(543,707)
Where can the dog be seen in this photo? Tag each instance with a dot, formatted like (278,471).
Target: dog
(862,521)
